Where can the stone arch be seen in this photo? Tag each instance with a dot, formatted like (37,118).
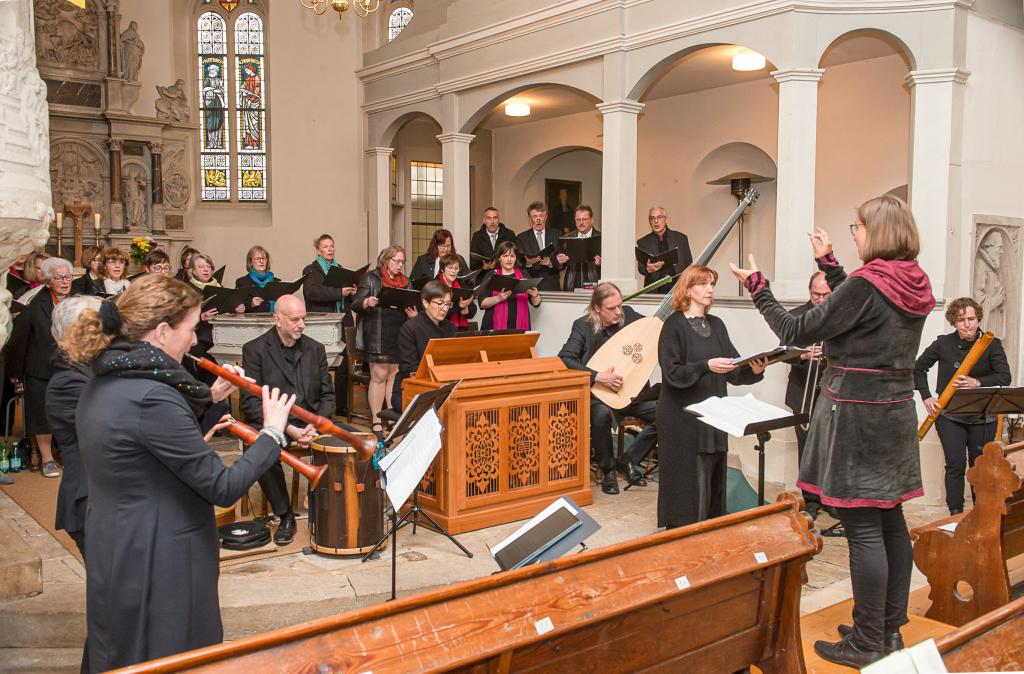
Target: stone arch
(896,42)
(654,72)
(521,178)
(384,126)
(483,109)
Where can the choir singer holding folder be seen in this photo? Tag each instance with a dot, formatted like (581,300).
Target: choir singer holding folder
(503,309)
(660,241)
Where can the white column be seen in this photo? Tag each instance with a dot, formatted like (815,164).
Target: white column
(455,157)
(794,205)
(378,199)
(937,113)
(618,193)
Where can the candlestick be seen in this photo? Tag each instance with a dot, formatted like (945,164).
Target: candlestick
(96,218)
(60,221)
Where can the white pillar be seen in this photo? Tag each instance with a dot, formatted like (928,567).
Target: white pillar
(937,113)
(618,193)
(378,199)
(794,200)
(455,157)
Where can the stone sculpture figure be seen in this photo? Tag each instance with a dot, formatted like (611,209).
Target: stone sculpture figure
(989,284)
(172,104)
(132,49)
(135,201)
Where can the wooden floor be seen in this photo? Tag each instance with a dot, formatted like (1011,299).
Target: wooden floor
(822,624)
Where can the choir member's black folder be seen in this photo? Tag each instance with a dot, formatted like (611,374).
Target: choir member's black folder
(219,275)
(669,257)
(224,300)
(533,543)
(581,251)
(399,298)
(546,251)
(780,354)
(498,282)
(420,282)
(459,294)
(339,277)
(17,286)
(275,289)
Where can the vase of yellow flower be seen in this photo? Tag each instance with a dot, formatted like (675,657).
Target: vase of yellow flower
(141,246)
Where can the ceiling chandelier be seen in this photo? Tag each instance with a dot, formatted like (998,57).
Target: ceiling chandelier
(362,7)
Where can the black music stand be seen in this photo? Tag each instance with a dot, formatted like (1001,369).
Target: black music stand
(987,400)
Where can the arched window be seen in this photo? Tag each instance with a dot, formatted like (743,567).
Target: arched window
(398,20)
(232,86)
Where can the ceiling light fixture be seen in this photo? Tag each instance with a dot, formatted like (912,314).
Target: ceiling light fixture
(517,109)
(362,7)
(746,60)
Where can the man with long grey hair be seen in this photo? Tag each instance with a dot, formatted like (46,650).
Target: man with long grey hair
(605,316)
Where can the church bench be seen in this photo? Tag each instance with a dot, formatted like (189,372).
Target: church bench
(993,642)
(714,596)
(967,568)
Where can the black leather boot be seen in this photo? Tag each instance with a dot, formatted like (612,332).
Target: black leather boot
(845,652)
(892,640)
(285,533)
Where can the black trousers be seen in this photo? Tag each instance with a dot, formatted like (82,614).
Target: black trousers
(881,560)
(341,387)
(962,444)
(601,420)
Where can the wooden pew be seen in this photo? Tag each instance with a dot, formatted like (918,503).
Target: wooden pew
(716,596)
(992,643)
(967,568)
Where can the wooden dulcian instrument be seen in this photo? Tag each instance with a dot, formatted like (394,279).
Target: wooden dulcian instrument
(249,435)
(965,369)
(633,350)
(363,445)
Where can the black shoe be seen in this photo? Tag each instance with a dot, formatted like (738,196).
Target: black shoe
(892,640)
(844,652)
(632,473)
(609,485)
(285,533)
(955,511)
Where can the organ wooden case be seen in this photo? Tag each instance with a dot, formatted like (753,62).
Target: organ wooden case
(517,431)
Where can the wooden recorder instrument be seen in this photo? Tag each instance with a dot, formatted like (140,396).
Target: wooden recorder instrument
(965,368)
(363,445)
(249,435)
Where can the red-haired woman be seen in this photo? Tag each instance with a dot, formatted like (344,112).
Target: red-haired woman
(428,265)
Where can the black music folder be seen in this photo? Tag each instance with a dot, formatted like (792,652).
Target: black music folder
(780,354)
(399,298)
(224,300)
(546,251)
(219,275)
(579,250)
(275,289)
(670,257)
(339,277)
(17,286)
(499,282)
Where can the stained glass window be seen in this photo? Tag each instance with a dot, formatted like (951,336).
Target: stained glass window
(398,20)
(213,109)
(251,108)
(427,196)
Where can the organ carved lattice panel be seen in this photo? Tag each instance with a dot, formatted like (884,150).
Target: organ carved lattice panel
(523,446)
(563,439)
(428,483)
(482,452)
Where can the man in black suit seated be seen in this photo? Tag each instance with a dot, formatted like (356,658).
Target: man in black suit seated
(661,240)
(486,240)
(605,316)
(798,372)
(588,273)
(533,240)
(282,357)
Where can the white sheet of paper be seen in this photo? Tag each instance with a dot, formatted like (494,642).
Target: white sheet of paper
(405,465)
(924,658)
(560,503)
(949,527)
(733,414)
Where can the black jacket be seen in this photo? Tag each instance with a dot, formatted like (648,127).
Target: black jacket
(583,342)
(526,242)
(32,344)
(318,297)
(375,320)
(151,535)
(86,285)
(992,369)
(62,396)
(591,273)
(481,244)
(246,282)
(413,338)
(649,244)
(424,268)
(264,360)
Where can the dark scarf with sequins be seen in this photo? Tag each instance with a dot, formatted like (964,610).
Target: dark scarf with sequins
(139,360)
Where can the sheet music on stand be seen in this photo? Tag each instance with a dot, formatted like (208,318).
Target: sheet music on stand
(404,467)
(733,414)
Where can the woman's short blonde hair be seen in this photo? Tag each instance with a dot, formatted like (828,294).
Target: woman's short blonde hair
(691,276)
(389,254)
(890,232)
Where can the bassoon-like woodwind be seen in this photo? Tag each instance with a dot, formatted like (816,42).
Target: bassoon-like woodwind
(249,435)
(363,445)
(965,368)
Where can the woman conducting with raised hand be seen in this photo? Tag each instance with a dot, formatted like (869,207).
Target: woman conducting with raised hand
(152,547)
(861,454)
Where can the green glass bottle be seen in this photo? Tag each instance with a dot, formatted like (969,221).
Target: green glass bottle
(5,459)
(15,458)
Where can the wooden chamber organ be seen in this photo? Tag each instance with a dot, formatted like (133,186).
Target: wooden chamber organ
(517,431)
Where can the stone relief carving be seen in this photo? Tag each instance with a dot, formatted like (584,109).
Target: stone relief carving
(134,190)
(67,35)
(996,278)
(172,104)
(989,282)
(76,174)
(132,49)
(177,187)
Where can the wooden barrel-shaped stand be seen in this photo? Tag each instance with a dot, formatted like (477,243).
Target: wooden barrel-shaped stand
(346,513)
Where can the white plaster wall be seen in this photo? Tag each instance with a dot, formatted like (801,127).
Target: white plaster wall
(581,165)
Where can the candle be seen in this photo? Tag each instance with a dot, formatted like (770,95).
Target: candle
(96,218)
(60,221)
